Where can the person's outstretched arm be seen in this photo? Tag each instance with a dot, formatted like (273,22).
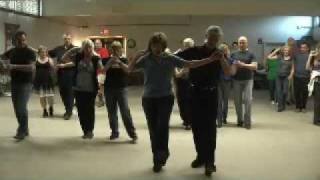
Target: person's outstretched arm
(140,55)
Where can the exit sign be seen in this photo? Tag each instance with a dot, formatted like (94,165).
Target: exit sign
(105,32)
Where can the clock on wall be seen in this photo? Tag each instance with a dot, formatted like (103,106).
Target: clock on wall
(131,43)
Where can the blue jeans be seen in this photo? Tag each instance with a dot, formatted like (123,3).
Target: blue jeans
(282,91)
(118,97)
(243,100)
(20,97)
(223,97)
(272,89)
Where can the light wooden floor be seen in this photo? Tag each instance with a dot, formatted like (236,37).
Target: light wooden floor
(281,146)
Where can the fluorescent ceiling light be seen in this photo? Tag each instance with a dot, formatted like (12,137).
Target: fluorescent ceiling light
(83,15)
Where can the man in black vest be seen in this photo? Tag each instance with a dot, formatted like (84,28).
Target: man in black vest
(65,75)
(204,98)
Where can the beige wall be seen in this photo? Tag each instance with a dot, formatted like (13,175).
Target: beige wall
(180,7)
(40,31)
(271,29)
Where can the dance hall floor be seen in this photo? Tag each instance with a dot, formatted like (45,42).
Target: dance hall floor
(280,146)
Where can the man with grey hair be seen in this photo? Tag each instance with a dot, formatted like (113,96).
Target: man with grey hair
(243,82)
(183,87)
(65,75)
(204,98)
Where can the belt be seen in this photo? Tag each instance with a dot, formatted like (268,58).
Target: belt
(204,88)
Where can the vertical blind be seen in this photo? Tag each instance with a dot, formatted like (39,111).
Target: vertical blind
(27,7)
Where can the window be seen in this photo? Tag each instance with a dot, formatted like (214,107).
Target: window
(27,7)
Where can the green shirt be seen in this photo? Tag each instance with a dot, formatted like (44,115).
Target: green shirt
(272,65)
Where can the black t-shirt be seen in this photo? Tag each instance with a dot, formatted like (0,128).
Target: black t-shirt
(245,57)
(21,56)
(64,74)
(204,76)
(285,67)
(115,76)
(59,51)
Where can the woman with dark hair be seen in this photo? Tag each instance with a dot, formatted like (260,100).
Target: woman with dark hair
(157,101)
(85,84)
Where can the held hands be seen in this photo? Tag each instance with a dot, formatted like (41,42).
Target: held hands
(216,56)
(239,63)
(5,68)
(10,67)
(115,60)
(100,90)
(60,66)
(314,53)
(140,54)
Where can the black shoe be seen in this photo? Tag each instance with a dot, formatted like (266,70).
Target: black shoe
(247,126)
(88,135)
(67,116)
(45,113)
(134,138)
(209,169)
(187,127)
(114,136)
(197,163)
(225,121)
(157,167)
(20,136)
(240,124)
(51,111)
(219,124)
(316,123)
(279,110)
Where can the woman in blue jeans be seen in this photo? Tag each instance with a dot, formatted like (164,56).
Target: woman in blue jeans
(284,74)
(157,101)
(116,92)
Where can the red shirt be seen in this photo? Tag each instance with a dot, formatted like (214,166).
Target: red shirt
(103,52)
